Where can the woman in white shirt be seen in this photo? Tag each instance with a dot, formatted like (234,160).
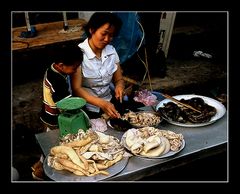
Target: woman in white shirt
(100,66)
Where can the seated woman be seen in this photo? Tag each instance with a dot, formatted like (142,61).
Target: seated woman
(100,67)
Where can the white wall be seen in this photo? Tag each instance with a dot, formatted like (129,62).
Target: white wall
(85,15)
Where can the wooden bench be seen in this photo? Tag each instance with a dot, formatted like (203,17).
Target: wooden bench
(47,34)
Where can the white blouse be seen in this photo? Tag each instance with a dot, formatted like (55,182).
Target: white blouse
(97,73)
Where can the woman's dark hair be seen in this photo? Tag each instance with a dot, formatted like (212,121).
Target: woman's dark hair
(68,55)
(100,18)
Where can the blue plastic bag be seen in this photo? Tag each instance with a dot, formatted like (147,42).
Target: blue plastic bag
(130,37)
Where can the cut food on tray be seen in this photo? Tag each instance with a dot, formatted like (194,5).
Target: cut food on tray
(152,142)
(85,156)
(142,118)
(210,110)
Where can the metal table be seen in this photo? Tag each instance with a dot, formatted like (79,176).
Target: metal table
(200,142)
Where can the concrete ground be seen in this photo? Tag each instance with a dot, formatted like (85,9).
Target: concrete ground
(185,74)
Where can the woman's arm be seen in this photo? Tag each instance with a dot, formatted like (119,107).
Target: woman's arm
(78,90)
(119,83)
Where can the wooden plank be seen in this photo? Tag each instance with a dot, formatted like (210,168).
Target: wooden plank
(47,34)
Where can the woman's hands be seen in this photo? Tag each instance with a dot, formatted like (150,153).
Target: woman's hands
(109,109)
